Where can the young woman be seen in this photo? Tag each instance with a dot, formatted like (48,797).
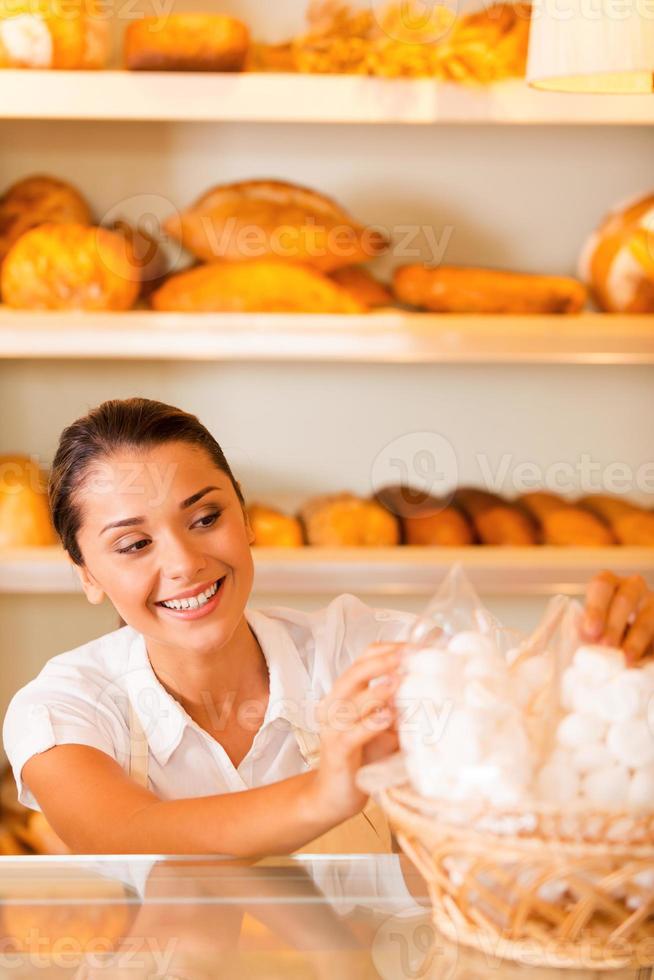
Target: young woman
(204,726)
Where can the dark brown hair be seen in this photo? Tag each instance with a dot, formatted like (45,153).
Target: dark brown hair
(131,423)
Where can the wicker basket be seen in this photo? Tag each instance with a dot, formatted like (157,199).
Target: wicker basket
(535,890)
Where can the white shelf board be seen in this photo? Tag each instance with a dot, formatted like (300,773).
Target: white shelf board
(381,572)
(381,337)
(261,97)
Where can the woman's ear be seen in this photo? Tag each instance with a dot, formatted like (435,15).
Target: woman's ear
(248,526)
(92,590)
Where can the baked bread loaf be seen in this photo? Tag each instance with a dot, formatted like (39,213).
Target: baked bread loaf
(632,526)
(270,218)
(49,34)
(362,285)
(146,259)
(425,520)
(496,521)
(346,521)
(617,261)
(564,525)
(35,201)
(262,286)
(453,289)
(186,42)
(273,529)
(69,267)
(24,511)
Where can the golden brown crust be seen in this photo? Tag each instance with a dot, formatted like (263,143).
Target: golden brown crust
(563,524)
(453,289)
(69,267)
(606,506)
(273,529)
(38,200)
(270,218)
(346,521)
(54,35)
(618,259)
(362,285)
(425,520)
(186,42)
(265,286)
(633,526)
(496,521)
(144,255)
(24,511)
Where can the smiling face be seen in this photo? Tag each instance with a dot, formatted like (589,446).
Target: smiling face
(161,524)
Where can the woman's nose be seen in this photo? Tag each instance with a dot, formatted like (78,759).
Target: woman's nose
(182,560)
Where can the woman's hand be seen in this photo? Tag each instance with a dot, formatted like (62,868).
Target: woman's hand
(620,613)
(356,722)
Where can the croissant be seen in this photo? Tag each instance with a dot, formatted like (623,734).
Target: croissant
(264,286)
(267,218)
(451,289)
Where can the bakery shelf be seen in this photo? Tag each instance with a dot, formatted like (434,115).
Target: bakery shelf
(379,571)
(208,97)
(382,337)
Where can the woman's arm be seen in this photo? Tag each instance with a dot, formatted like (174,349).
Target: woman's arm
(93,805)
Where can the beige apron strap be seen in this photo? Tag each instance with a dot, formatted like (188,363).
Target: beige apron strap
(367,832)
(138,750)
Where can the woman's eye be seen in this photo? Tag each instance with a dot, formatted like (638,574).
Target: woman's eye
(211,518)
(132,548)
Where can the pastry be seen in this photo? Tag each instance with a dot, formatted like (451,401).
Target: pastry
(346,521)
(564,525)
(24,511)
(35,201)
(147,260)
(69,267)
(186,42)
(425,520)
(363,286)
(453,289)
(496,521)
(49,34)
(269,218)
(617,261)
(272,529)
(632,526)
(262,286)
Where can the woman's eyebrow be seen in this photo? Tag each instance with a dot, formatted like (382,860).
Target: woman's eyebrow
(131,521)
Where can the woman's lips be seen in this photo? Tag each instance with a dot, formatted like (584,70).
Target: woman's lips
(201,611)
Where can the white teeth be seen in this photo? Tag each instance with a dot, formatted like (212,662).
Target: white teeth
(195,602)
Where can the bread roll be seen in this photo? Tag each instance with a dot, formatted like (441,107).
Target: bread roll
(496,521)
(51,34)
(272,529)
(564,525)
(425,520)
(146,259)
(186,42)
(69,267)
(617,261)
(260,219)
(263,286)
(632,526)
(362,285)
(24,511)
(38,200)
(346,521)
(451,289)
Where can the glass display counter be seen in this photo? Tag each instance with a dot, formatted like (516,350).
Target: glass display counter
(192,918)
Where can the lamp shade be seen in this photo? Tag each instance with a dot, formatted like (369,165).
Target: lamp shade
(592,46)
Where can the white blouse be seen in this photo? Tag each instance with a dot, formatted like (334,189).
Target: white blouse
(83,696)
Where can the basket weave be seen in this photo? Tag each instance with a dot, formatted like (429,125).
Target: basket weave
(524,893)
